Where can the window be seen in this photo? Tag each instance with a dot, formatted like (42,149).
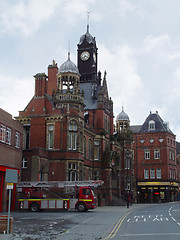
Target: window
(96,175)
(17,140)
(50,136)
(151,125)
(72,172)
(146,173)
(156,154)
(72,136)
(27,136)
(146,154)
(152,173)
(24,163)
(8,136)
(171,155)
(127,163)
(90,149)
(3,134)
(158,173)
(96,150)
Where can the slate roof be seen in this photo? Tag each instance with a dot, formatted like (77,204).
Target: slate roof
(88,37)
(135,128)
(160,125)
(178,148)
(68,67)
(89,101)
(122,116)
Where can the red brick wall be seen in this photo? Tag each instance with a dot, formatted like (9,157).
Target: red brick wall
(38,133)
(52,78)
(164,148)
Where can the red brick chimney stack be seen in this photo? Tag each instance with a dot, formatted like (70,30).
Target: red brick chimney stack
(52,78)
(40,84)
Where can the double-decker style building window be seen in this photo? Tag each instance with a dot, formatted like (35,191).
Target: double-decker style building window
(24,163)
(157,154)
(3,134)
(96,150)
(152,173)
(50,136)
(72,172)
(17,140)
(72,135)
(158,173)
(8,136)
(146,154)
(146,173)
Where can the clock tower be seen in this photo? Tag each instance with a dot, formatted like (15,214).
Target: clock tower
(87,58)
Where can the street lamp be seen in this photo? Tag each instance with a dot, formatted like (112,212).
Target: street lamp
(128,159)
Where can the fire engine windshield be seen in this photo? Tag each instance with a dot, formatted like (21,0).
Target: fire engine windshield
(93,193)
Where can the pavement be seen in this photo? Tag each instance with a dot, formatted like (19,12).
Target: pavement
(33,232)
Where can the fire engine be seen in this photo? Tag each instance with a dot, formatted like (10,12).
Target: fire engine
(77,195)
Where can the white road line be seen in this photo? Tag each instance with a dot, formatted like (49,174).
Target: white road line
(173,219)
(149,234)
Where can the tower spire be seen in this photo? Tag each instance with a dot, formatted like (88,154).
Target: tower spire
(88,14)
(69,50)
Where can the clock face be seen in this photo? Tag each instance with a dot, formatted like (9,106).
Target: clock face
(94,57)
(85,55)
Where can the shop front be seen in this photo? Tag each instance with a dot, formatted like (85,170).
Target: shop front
(4,193)
(157,192)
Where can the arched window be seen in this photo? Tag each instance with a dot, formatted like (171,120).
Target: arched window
(151,125)
(72,135)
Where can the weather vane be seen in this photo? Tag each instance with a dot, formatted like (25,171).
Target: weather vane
(88,13)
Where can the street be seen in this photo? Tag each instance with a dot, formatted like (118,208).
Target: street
(154,222)
(139,221)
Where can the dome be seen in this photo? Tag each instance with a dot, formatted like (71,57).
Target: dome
(68,66)
(87,36)
(122,116)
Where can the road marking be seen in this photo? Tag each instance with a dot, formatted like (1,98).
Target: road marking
(148,234)
(117,226)
(149,218)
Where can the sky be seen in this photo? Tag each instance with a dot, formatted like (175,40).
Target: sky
(138,45)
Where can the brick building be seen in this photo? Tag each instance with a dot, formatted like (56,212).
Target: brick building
(68,124)
(155,162)
(10,153)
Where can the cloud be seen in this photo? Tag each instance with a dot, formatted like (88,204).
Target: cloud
(125,7)
(76,10)
(25,17)
(15,93)
(122,74)
(150,43)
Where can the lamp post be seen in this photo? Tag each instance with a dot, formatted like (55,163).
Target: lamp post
(128,159)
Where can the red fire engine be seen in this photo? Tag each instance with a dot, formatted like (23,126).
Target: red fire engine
(58,195)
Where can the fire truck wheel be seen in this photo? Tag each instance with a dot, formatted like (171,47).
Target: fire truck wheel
(81,207)
(34,207)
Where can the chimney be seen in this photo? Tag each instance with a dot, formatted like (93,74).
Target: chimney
(52,78)
(40,84)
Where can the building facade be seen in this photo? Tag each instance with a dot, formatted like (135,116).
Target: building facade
(68,124)
(10,154)
(155,162)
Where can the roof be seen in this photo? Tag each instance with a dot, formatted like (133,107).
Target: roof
(178,148)
(89,101)
(68,67)
(122,116)
(87,36)
(160,125)
(135,128)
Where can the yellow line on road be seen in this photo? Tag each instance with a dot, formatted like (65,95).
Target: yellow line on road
(117,226)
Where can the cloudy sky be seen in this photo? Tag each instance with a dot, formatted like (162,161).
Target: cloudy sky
(138,45)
